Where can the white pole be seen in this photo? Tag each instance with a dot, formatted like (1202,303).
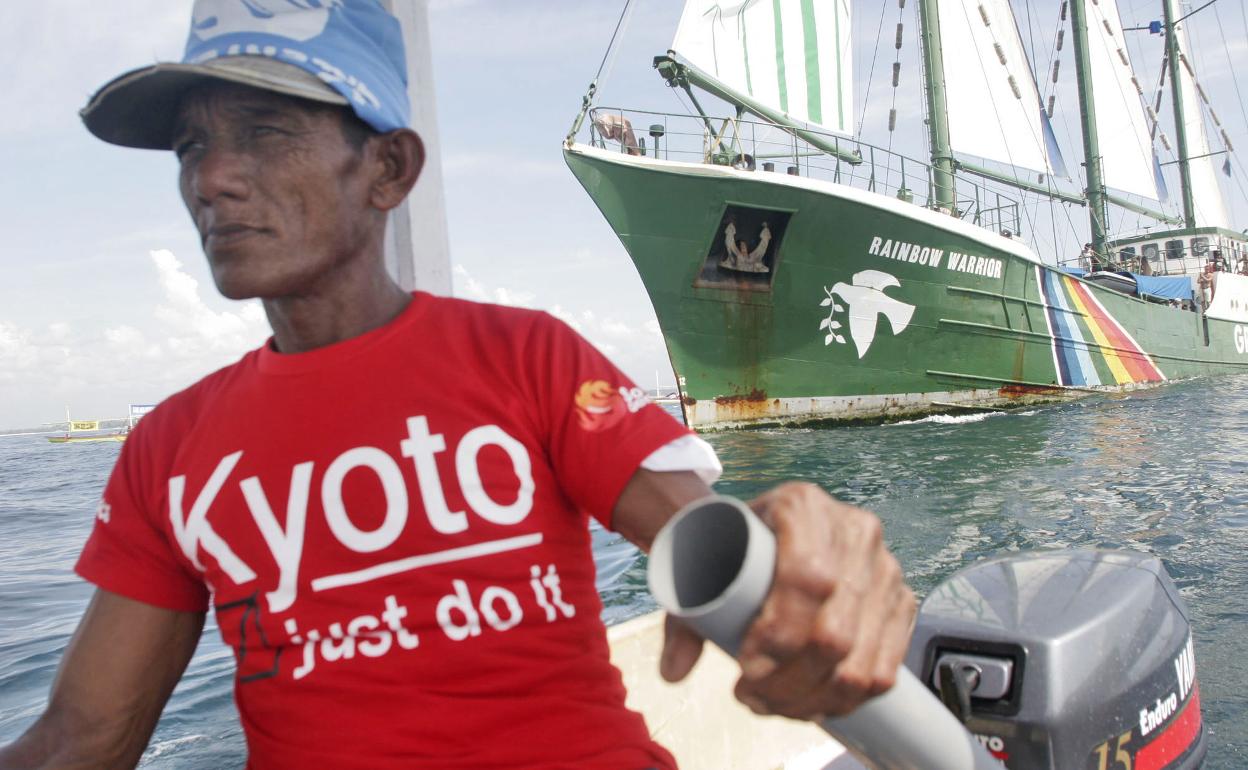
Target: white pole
(417,249)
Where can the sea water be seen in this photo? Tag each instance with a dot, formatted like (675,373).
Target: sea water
(1164,471)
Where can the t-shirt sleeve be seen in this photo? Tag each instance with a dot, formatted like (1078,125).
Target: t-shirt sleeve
(599,426)
(128,551)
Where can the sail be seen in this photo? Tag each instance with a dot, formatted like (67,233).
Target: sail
(1207,200)
(990,92)
(793,56)
(1127,159)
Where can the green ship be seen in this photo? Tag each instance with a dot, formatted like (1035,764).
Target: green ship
(801,274)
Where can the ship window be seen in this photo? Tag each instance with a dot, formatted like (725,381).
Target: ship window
(1200,246)
(742,254)
(1127,253)
(1174,249)
(1151,252)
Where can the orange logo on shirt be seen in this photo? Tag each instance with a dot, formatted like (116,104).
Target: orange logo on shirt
(599,405)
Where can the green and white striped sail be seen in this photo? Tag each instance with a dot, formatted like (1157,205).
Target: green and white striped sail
(794,56)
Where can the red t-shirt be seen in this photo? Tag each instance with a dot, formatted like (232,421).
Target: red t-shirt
(393,533)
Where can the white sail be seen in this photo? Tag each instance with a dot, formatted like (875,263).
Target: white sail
(1207,200)
(793,56)
(1127,159)
(990,92)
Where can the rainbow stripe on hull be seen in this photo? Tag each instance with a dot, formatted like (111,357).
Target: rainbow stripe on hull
(1090,347)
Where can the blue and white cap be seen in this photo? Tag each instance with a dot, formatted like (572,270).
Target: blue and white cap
(345,52)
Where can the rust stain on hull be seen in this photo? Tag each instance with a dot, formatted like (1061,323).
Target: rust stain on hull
(746,407)
(753,395)
(1023,391)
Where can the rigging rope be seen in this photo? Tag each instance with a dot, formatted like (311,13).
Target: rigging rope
(611,49)
(1051,203)
(1234,80)
(986,21)
(892,111)
(866,99)
(896,76)
(1193,13)
(1232,159)
(587,101)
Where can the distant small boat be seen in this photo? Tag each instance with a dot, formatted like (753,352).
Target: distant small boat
(71,439)
(88,431)
(83,431)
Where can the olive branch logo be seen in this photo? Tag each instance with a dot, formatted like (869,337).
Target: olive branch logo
(830,323)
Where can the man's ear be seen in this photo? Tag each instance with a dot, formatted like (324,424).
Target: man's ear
(401,155)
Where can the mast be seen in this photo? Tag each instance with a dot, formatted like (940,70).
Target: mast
(1180,120)
(1096,193)
(417,253)
(944,196)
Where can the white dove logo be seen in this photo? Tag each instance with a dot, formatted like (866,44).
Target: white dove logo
(295,19)
(867,302)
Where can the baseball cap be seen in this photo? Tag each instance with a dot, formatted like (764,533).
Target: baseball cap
(345,52)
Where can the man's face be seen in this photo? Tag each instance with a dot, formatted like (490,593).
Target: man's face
(279,197)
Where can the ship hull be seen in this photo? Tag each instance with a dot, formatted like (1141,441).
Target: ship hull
(113,437)
(865,307)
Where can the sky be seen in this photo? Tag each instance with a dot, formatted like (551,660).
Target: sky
(106,300)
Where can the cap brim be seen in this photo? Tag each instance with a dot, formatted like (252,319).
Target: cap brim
(138,109)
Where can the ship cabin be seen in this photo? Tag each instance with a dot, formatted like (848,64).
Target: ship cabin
(1187,251)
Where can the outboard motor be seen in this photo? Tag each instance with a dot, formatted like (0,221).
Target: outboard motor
(1066,659)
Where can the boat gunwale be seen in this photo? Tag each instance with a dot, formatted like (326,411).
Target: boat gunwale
(887,203)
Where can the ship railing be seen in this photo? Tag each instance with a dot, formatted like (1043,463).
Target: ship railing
(1175,257)
(761,146)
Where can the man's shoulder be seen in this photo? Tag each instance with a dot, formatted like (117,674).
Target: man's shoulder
(186,406)
(508,321)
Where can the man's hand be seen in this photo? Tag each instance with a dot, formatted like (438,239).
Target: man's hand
(836,624)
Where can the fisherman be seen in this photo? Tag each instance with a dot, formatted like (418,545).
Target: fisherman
(407,581)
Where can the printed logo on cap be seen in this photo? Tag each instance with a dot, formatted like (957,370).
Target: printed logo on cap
(286,18)
(354,46)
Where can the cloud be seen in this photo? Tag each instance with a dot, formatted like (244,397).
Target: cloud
(508,30)
(98,367)
(78,46)
(470,288)
(191,327)
(17,352)
(634,345)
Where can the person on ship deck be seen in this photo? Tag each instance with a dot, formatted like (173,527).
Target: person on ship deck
(408,582)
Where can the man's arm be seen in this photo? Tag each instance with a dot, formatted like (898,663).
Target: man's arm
(119,669)
(836,624)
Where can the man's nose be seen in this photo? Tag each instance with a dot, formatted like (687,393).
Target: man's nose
(220,171)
